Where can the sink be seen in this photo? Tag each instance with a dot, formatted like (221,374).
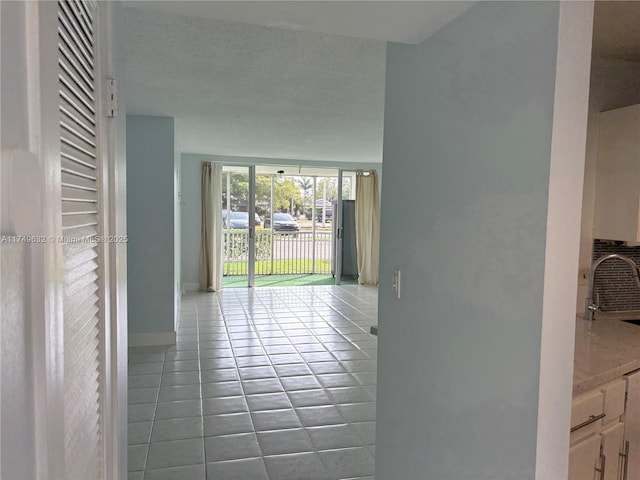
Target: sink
(635,322)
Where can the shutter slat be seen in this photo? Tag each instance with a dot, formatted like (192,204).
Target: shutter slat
(67,19)
(72,59)
(76,122)
(77,195)
(87,338)
(77,174)
(75,84)
(84,6)
(73,187)
(72,222)
(80,54)
(76,304)
(85,265)
(75,209)
(82,20)
(85,420)
(72,299)
(82,335)
(76,156)
(77,249)
(74,161)
(68,89)
(85,9)
(84,331)
(82,169)
(78,147)
(86,141)
(77,142)
(76,108)
(82,269)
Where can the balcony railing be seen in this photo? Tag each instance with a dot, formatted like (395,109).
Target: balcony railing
(289,253)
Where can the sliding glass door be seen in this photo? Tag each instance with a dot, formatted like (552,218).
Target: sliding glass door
(264,261)
(238,224)
(279,224)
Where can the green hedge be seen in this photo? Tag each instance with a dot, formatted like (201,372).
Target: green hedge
(239,247)
(239,239)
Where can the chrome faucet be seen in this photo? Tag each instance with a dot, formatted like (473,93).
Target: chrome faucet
(590,308)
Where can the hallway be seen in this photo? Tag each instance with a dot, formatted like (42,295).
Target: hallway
(270,383)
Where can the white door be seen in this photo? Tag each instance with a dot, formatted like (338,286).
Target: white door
(82,214)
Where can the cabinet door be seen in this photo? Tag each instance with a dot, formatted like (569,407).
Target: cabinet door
(612,441)
(632,425)
(618,175)
(614,395)
(583,409)
(584,458)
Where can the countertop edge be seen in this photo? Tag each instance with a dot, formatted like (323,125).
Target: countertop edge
(627,363)
(605,377)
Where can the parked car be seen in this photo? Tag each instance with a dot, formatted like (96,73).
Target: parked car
(282,222)
(328,214)
(328,210)
(239,219)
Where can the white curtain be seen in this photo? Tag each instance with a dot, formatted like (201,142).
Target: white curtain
(367,226)
(211,248)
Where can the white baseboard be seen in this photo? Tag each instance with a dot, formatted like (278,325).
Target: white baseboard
(149,339)
(191,287)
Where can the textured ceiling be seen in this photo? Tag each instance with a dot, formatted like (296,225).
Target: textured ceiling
(243,79)
(257,91)
(616,30)
(396,21)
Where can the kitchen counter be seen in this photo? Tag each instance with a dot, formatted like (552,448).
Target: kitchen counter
(605,349)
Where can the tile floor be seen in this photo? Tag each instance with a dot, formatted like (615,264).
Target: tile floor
(268,383)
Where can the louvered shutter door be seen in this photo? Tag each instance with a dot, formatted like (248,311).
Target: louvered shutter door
(80,225)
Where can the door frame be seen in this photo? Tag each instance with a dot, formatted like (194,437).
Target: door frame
(251,208)
(337,218)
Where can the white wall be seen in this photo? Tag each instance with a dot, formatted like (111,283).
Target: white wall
(614,84)
(469,123)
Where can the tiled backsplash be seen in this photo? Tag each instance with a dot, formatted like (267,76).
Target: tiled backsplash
(614,283)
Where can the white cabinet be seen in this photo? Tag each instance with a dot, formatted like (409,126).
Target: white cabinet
(603,428)
(584,458)
(587,412)
(612,447)
(632,425)
(617,204)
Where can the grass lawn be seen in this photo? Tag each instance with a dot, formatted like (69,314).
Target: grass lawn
(285,280)
(280,267)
